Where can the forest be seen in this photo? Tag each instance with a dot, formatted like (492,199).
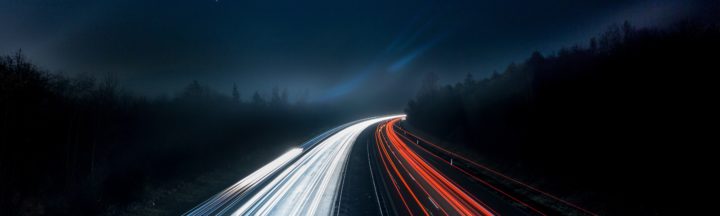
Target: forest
(620,124)
(83,145)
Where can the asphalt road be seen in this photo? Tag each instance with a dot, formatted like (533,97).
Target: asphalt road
(369,167)
(306,180)
(405,180)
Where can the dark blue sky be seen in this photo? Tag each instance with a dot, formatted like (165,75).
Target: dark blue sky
(333,48)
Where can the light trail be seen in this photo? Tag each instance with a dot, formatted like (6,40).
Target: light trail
(442,194)
(309,186)
(227,200)
(218,203)
(303,181)
(308,180)
(493,171)
(387,162)
(484,182)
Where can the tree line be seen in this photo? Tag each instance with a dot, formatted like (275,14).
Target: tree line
(75,146)
(609,123)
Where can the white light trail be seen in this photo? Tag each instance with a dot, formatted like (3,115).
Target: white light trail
(230,194)
(310,185)
(307,186)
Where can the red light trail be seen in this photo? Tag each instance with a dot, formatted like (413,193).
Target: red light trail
(426,177)
(486,168)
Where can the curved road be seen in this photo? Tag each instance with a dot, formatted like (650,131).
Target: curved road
(370,167)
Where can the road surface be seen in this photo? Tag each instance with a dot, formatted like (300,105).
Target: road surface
(370,167)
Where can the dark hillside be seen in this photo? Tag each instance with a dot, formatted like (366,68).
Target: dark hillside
(619,123)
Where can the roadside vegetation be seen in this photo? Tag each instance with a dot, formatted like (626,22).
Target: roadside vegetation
(83,145)
(618,124)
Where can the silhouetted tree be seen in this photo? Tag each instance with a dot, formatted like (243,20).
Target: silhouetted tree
(257,99)
(275,96)
(576,115)
(429,84)
(235,94)
(593,44)
(194,90)
(81,146)
(284,96)
(469,80)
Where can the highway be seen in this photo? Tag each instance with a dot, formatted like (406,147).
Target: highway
(374,167)
(303,181)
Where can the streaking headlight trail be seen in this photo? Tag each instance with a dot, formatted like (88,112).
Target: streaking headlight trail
(225,199)
(300,182)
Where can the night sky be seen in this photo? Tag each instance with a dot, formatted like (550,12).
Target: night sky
(335,49)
